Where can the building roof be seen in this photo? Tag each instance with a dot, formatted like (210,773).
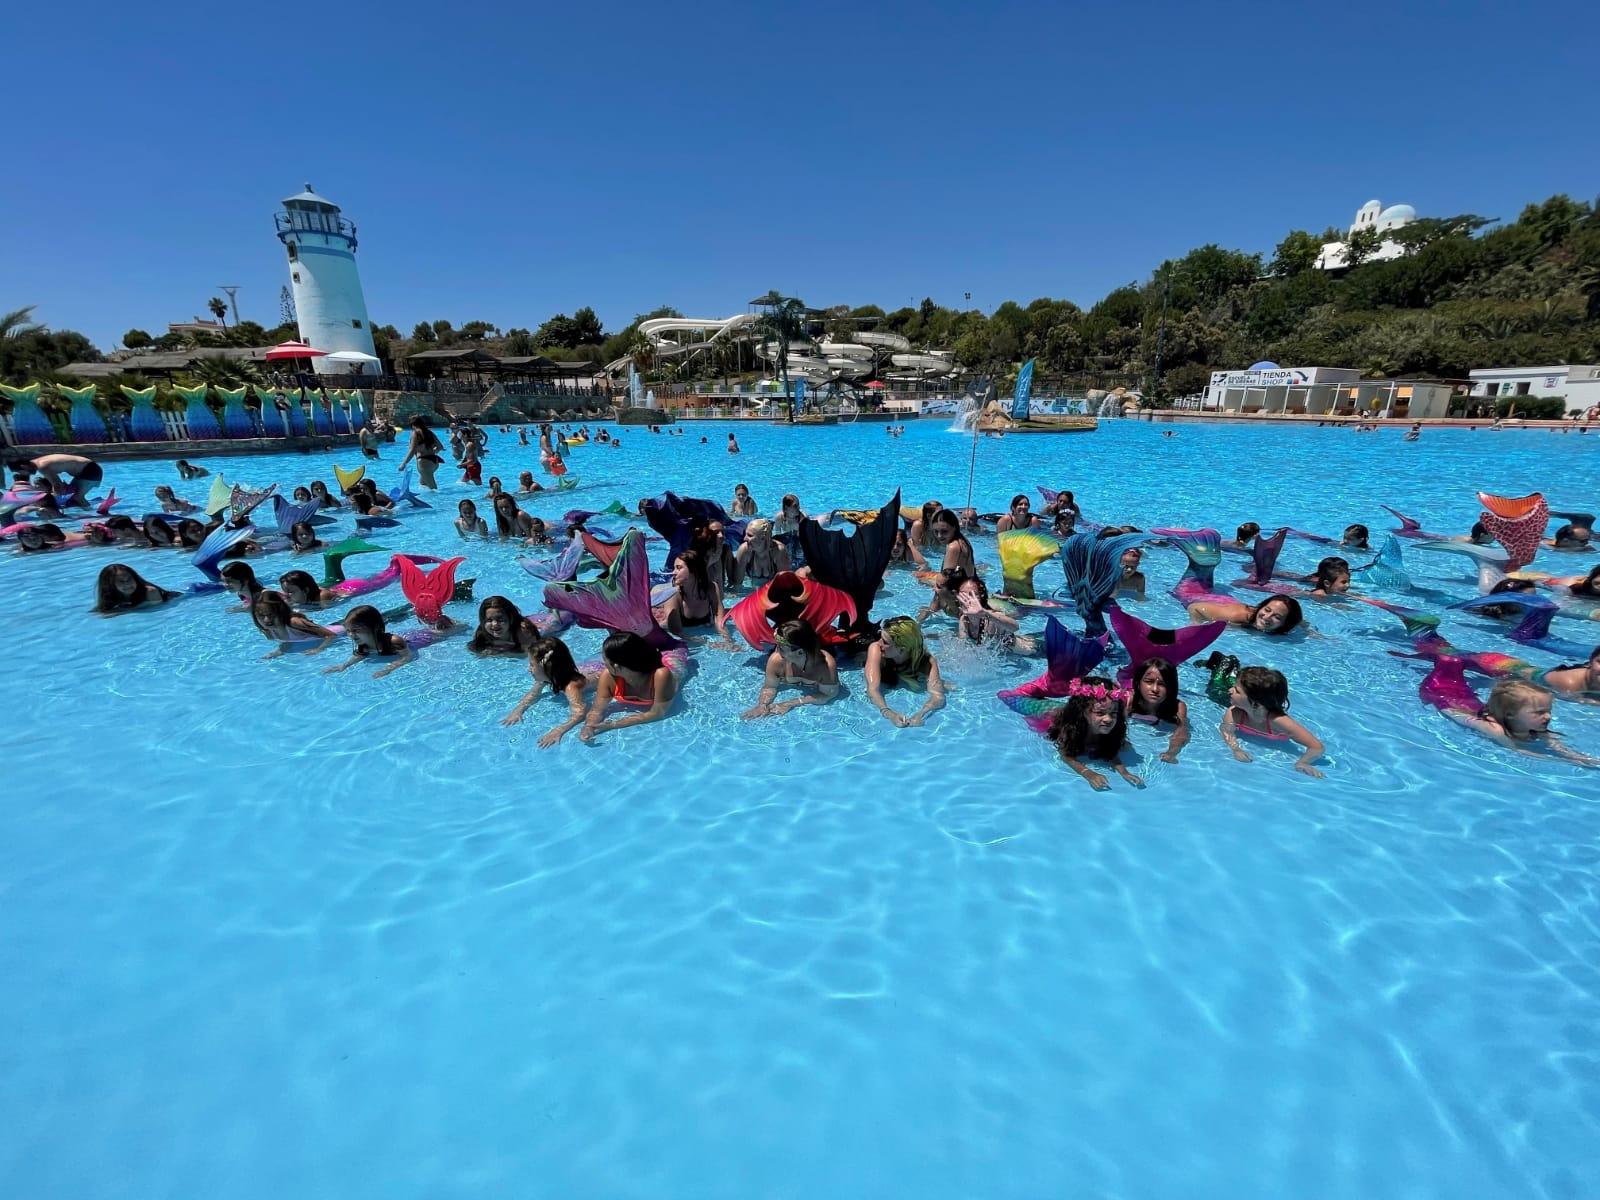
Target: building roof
(165,360)
(310,197)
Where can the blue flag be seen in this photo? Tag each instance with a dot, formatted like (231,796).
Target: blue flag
(1024,392)
(799,396)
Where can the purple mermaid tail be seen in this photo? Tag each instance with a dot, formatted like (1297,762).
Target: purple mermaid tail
(1144,641)
(1534,627)
(618,600)
(1067,657)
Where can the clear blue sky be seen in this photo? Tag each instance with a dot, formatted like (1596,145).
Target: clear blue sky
(508,161)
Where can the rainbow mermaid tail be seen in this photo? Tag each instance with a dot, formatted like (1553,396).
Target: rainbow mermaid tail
(1021,552)
(1067,657)
(1490,561)
(1534,627)
(619,600)
(1203,549)
(1144,641)
(853,564)
(559,569)
(428,591)
(1517,523)
(218,542)
(1093,565)
(1431,647)
(1387,570)
(333,558)
(1410,528)
(1446,688)
(348,479)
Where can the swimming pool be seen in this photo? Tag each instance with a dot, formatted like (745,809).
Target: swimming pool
(271,933)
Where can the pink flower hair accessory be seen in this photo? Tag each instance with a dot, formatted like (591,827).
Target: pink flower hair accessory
(1099,691)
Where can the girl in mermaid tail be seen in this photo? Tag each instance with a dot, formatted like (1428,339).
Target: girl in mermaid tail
(120,588)
(976,621)
(240,579)
(1093,725)
(303,539)
(920,534)
(550,664)
(1258,704)
(468,523)
(1516,714)
(635,675)
(1243,537)
(370,638)
(900,656)
(319,491)
(698,600)
(800,660)
(1331,578)
(1355,537)
(502,630)
(1275,616)
(1018,516)
(279,622)
(509,520)
(1154,698)
(1131,581)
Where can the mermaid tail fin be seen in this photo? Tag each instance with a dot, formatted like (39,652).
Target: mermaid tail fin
(1446,687)
(221,493)
(1491,560)
(1264,556)
(242,501)
(402,491)
(429,591)
(348,479)
(616,508)
(821,607)
(853,563)
(1388,569)
(674,518)
(105,506)
(289,514)
(1067,657)
(1203,549)
(1536,613)
(1417,623)
(605,553)
(1037,711)
(1408,526)
(1021,552)
(333,558)
(218,542)
(555,569)
(1093,565)
(1049,494)
(1144,641)
(1518,524)
(619,600)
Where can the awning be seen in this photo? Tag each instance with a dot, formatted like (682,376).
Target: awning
(352,356)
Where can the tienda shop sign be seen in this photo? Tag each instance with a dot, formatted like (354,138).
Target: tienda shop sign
(1285,377)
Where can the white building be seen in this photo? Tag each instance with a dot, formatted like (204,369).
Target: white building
(1324,392)
(1371,215)
(328,303)
(1578,385)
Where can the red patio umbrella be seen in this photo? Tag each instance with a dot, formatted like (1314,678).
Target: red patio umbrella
(874,384)
(292,350)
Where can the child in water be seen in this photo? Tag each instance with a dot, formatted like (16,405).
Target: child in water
(550,664)
(636,675)
(1517,715)
(1155,699)
(799,659)
(900,656)
(468,523)
(1258,704)
(1092,724)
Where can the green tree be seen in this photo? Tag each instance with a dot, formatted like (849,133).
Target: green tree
(219,309)
(782,325)
(1362,245)
(423,332)
(1296,253)
(520,343)
(559,330)
(445,333)
(136,339)
(19,322)
(476,331)
(587,330)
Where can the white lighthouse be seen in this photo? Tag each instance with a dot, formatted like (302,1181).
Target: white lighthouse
(327,289)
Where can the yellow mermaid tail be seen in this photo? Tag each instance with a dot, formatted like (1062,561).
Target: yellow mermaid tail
(1021,551)
(348,479)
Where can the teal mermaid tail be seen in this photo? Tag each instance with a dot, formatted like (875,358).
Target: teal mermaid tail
(218,542)
(333,558)
(1092,566)
(1203,549)
(618,600)
(1067,657)
(402,491)
(1387,570)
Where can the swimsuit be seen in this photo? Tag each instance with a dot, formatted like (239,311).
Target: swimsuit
(1241,722)
(620,695)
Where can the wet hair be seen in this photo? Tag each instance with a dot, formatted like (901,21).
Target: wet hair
(631,652)
(369,620)
(320,490)
(1480,535)
(1568,533)
(49,533)
(1328,569)
(191,533)
(799,635)
(299,527)
(1069,728)
(1509,695)
(1246,531)
(1590,586)
(361,502)
(480,637)
(108,599)
(1292,615)
(505,525)
(1356,536)
(164,492)
(1511,585)
(302,494)
(1266,687)
(554,661)
(906,635)
(370,487)
(301,586)
(268,602)
(695,563)
(789,499)
(946,518)
(1019,498)
(1169,676)
(467,509)
(957,578)
(244,575)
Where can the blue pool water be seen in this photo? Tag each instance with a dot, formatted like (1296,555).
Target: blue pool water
(268,933)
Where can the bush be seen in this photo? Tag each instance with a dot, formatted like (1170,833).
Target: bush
(1533,408)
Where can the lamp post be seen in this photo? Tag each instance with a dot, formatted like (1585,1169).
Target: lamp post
(1161,330)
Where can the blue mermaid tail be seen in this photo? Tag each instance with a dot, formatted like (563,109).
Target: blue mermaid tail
(1534,627)
(218,542)
(1491,561)
(1067,657)
(289,514)
(402,491)
(555,569)
(675,517)
(618,600)
(1093,565)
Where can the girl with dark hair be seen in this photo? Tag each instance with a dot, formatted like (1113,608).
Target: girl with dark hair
(303,538)
(1155,699)
(370,638)
(799,660)
(1132,580)
(240,579)
(920,534)
(171,503)
(509,520)
(976,621)
(743,505)
(527,485)
(1355,537)
(190,534)
(1092,724)
(1274,616)
(502,629)
(1243,537)
(1018,515)
(319,491)
(120,588)
(280,623)
(550,664)
(47,535)
(1258,704)
(957,550)
(468,523)
(634,675)
(698,600)
(1331,578)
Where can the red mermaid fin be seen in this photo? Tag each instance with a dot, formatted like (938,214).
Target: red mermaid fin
(428,591)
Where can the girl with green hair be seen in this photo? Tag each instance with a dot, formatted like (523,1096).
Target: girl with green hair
(900,656)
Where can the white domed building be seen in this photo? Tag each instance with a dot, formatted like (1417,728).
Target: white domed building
(1371,215)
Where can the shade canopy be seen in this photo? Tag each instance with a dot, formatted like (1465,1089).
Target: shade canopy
(292,350)
(351,356)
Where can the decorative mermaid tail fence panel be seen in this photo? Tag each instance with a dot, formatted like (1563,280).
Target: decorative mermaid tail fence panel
(358,411)
(29,424)
(274,422)
(144,422)
(297,413)
(341,411)
(236,422)
(87,424)
(202,424)
(321,419)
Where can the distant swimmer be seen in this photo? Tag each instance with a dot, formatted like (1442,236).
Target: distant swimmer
(1414,432)
(733,444)
(1168,433)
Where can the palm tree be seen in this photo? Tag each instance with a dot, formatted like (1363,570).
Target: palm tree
(784,322)
(19,323)
(219,309)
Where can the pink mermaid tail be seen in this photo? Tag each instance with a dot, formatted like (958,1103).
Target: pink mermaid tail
(1446,688)
(105,506)
(349,589)
(428,591)
(1410,528)
(618,600)
(1264,557)
(1067,657)
(1144,641)
(1431,647)
(1517,523)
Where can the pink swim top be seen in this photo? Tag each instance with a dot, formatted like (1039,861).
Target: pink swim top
(1241,722)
